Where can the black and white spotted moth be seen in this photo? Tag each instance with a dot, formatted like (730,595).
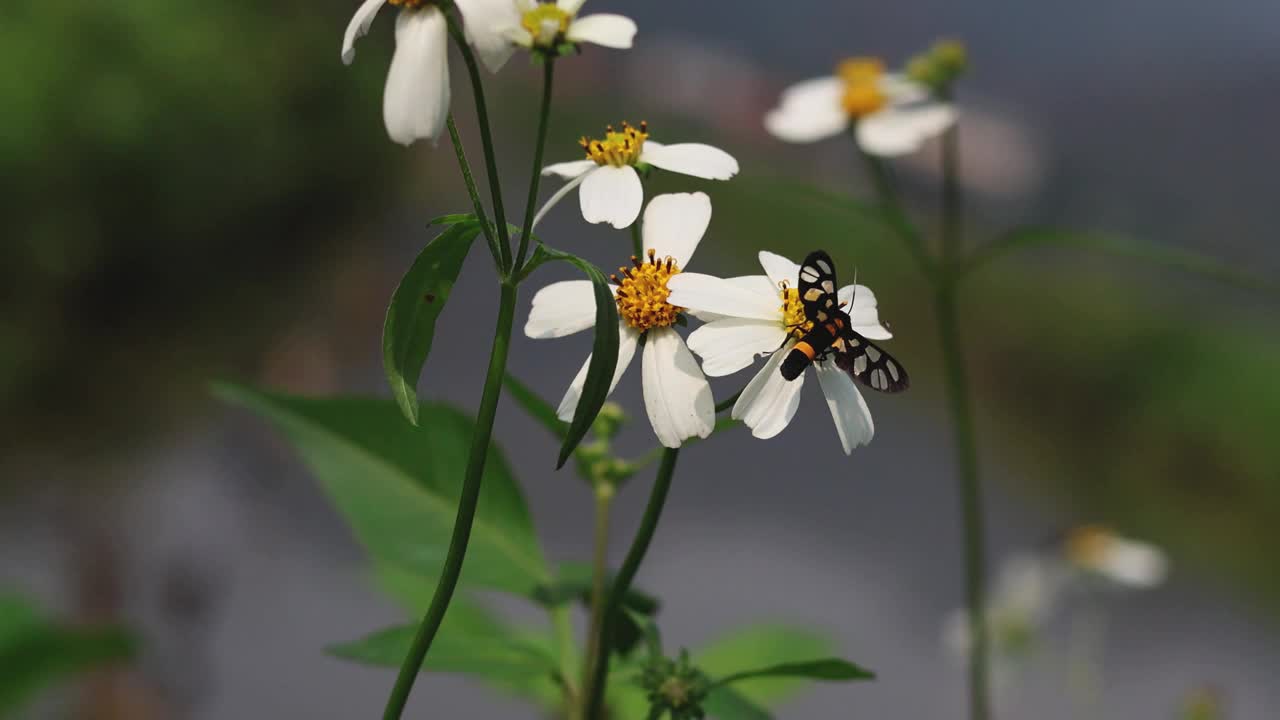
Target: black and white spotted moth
(831,334)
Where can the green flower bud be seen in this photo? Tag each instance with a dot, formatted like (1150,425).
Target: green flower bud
(951,57)
(675,687)
(609,421)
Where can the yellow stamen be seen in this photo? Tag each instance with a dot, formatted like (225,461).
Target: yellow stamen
(1087,545)
(617,148)
(862,93)
(642,292)
(547,24)
(793,312)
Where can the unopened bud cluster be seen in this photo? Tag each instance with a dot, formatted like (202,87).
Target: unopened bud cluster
(675,687)
(940,66)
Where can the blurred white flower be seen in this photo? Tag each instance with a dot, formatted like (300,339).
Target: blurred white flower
(1123,561)
(1026,592)
(891,114)
(762,314)
(415,102)
(677,396)
(611,188)
(498,27)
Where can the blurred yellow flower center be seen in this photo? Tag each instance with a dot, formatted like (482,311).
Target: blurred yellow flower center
(1086,546)
(642,292)
(793,312)
(547,23)
(618,147)
(862,93)
(410,4)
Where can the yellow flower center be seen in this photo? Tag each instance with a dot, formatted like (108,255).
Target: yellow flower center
(862,93)
(547,23)
(618,147)
(1087,545)
(793,312)
(642,292)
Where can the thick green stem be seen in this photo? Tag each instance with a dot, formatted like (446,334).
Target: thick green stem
(469,180)
(466,507)
(594,693)
(566,647)
(599,574)
(486,140)
(548,73)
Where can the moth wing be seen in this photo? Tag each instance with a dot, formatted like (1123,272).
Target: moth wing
(870,365)
(818,286)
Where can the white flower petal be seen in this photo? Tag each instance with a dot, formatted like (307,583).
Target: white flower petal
(901,89)
(556,197)
(768,402)
(779,269)
(901,130)
(569,170)
(848,409)
(611,194)
(677,396)
(627,338)
(729,345)
(707,293)
(358,27)
(613,31)
(1134,563)
(758,284)
(809,111)
(487,23)
(675,223)
(416,100)
(570,6)
(863,316)
(560,309)
(696,159)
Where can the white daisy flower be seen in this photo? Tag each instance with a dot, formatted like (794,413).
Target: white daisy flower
(1130,563)
(498,27)
(1027,591)
(891,114)
(415,102)
(677,396)
(611,188)
(762,314)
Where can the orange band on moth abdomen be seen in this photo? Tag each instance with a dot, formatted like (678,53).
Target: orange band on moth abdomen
(806,348)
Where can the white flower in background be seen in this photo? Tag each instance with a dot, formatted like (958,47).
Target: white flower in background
(1019,605)
(498,27)
(1130,563)
(677,396)
(891,114)
(415,101)
(611,188)
(762,314)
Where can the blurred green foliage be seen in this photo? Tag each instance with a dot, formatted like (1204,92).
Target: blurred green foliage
(164,166)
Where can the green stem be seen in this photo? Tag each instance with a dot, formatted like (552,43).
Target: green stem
(486,140)
(882,179)
(594,693)
(960,406)
(548,72)
(566,646)
(599,573)
(466,507)
(469,180)
(637,242)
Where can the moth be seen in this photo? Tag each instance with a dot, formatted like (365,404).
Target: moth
(832,336)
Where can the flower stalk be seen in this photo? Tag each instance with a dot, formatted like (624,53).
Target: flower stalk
(593,692)
(548,75)
(604,492)
(469,180)
(466,506)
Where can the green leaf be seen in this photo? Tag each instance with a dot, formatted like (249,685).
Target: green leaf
(417,302)
(760,646)
(538,409)
(36,653)
(574,583)
(1134,248)
(454,219)
(823,669)
(397,485)
(725,703)
(604,351)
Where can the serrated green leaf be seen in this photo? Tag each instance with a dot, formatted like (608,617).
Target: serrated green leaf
(759,646)
(821,669)
(36,653)
(415,306)
(538,409)
(604,349)
(397,485)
